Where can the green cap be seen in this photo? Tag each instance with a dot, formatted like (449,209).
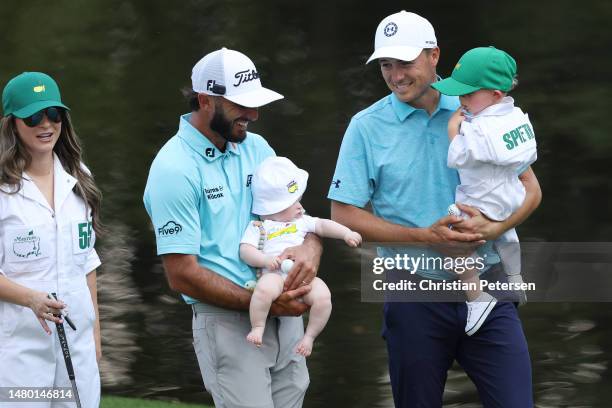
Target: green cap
(28,93)
(479,68)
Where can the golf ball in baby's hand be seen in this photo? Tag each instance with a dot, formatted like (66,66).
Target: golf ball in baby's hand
(250,285)
(286,265)
(454,210)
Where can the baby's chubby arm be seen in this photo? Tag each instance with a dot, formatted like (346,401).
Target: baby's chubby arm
(257,259)
(331,229)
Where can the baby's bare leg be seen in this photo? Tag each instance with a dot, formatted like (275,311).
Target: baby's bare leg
(319,300)
(268,288)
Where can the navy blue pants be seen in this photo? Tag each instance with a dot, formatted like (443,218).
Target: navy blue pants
(423,339)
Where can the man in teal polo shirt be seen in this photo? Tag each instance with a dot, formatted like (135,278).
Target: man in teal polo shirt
(393,156)
(199,199)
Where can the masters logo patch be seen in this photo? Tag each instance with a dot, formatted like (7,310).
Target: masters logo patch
(26,246)
(292,187)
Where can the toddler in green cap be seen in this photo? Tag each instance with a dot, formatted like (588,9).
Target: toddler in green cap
(491,143)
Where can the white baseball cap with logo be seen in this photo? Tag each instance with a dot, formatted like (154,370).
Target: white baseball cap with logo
(403,36)
(276,185)
(233,75)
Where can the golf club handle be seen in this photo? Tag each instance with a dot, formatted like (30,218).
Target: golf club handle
(72,326)
(61,333)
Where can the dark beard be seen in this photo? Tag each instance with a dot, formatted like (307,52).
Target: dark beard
(223,127)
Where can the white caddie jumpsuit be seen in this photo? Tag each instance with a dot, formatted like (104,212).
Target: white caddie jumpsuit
(50,251)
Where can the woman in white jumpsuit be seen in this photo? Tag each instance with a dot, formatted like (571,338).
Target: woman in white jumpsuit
(49,208)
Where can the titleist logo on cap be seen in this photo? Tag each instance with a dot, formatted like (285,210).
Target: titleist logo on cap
(232,75)
(246,76)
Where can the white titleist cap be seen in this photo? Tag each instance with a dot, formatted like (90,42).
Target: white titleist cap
(403,36)
(231,74)
(276,185)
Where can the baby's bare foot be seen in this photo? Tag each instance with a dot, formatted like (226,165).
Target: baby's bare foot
(304,347)
(255,336)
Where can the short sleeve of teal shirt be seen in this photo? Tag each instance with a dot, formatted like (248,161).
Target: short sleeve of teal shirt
(172,201)
(354,169)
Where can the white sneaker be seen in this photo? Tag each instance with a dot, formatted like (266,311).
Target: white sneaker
(477,312)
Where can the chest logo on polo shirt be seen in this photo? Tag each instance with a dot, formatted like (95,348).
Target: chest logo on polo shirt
(209,152)
(336,183)
(170,228)
(214,192)
(26,246)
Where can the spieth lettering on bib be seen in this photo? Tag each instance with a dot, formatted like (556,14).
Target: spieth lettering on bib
(515,139)
(517,136)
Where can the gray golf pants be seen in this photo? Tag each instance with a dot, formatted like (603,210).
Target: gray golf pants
(241,375)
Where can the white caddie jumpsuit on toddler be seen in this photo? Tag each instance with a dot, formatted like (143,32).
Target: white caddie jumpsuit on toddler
(49,251)
(490,151)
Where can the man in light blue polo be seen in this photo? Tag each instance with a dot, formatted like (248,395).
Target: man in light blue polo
(199,199)
(393,156)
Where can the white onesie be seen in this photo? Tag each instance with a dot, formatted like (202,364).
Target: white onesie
(279,235)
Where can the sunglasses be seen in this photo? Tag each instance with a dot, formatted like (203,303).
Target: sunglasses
(53,114)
